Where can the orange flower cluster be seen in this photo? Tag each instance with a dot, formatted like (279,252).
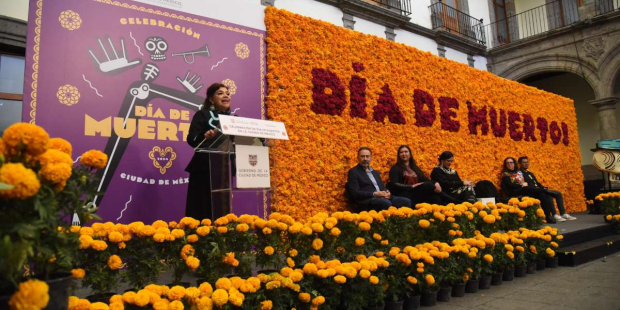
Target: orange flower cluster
(306,56)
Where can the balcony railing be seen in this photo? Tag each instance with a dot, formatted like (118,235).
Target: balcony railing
(447,18)
(553,15)
(401,6)
(606,6)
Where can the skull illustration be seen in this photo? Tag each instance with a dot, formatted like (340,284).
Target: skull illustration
(157,46)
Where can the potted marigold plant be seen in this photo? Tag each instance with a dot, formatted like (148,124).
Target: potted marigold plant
(40,190)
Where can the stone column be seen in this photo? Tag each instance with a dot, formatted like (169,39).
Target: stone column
(606,108)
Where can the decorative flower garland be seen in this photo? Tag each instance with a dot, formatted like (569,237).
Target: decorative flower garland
(337,90)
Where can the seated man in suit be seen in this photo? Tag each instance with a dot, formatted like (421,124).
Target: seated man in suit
(366,189)
(531,180)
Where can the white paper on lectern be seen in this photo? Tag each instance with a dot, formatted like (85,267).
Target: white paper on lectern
(249,127)
(252,166)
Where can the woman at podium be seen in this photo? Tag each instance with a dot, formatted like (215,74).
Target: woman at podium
(204,134)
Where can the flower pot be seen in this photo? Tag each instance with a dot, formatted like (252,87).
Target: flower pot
(496,278)
(552,262)
(509,274)
(412,303)
(59,291)
(485,282)
(531,268)
(394,305)
(444,294)
(429,299)
(103,297)
(520,271)
(472,285)
(306,306)
(540,264)
(373,308)
(458,290)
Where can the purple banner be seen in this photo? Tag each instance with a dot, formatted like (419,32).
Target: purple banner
(127,79)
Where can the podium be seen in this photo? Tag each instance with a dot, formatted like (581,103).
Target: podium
(239,168)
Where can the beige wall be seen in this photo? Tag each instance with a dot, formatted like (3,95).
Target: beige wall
(14,8)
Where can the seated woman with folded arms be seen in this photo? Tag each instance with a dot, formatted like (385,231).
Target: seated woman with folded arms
(513,185)
(409,181)
(450,181)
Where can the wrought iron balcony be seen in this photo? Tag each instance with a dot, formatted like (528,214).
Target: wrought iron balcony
(447,18)
(401,6)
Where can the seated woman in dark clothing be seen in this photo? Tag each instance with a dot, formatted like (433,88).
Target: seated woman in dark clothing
(450,181)
(409,181)
(513,184)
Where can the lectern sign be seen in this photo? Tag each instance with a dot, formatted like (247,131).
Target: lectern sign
(249,127)
(252,166)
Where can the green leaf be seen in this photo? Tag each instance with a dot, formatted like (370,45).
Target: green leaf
(4,186)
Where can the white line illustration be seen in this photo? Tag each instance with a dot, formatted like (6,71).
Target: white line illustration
(200,51)
(218,63)
(235,111)
(190,84)
(126,204)
(113,64)
(76,160)
(135,43)
(91,86)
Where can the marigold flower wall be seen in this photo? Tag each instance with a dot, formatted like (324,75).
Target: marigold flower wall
(316,75)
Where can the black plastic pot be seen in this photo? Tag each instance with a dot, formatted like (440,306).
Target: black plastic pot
(412,303)
(472,286)
(59,291)
(444,294)
(520,271)
(509,274)
(531,268)
(374,308)
(394,305)
(104,298)
(552,262)
(458,290)
(496,278)
(485,282)
(429,299)
(540,264)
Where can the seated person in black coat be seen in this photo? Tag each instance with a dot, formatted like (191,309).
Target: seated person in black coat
(409,181)
(450,181)
(365,188)
(513,184)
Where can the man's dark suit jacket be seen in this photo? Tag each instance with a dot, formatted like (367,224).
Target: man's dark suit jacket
(360,186)
(530,179)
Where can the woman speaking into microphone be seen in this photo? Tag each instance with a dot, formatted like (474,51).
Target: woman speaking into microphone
(204,134)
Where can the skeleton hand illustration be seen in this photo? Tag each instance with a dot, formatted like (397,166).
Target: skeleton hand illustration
(114,64)
(190,84)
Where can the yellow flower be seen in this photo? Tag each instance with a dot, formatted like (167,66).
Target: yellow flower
(202,231)
(31,295)
(269,250)
(430,280)
(317,244)
(424,223)
(340,279)
(488,258)
(78,273)
(242,227)
(94,159)
(360,241)
(205,289)
(363,226)
(192,238)
(364,274)
(374,280)
(304,297)
(176,305)
(60,144)
(319,300)
(223,283)
(192,262)
(220,297)
(115,262)
(266,305)
(412,280)
(24,180)
(32,138)
(489,219)
(115,237)
(99,306)
(176,292)
(99,245)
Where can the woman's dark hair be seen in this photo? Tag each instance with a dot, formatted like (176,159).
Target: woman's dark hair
(506,166)
(401,163)
(210,92)
(445,155)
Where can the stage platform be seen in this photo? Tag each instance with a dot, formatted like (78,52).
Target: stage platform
(586,239)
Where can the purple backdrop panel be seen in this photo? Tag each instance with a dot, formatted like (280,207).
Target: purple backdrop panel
(127,79)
